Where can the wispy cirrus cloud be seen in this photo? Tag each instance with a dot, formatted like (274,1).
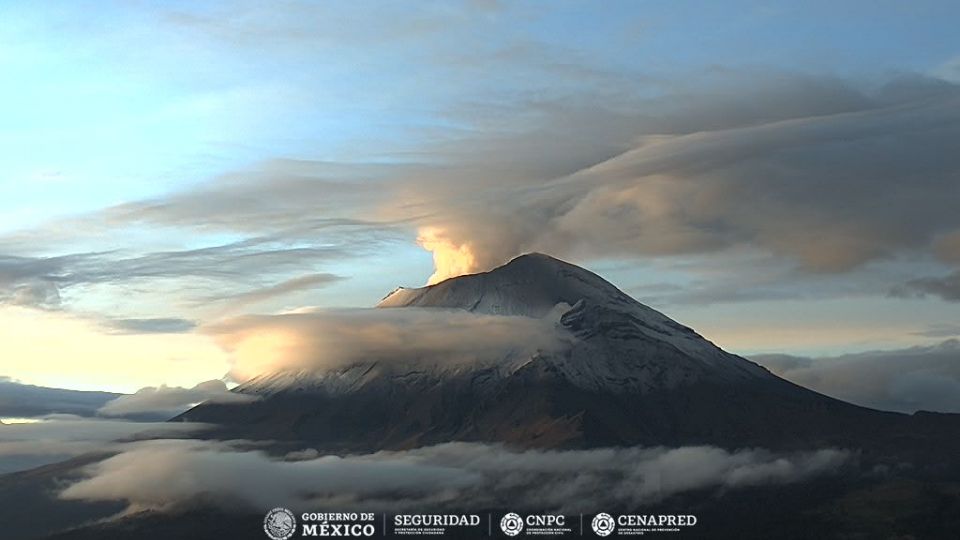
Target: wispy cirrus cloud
(157,325)
(257,295)
(750,169)
(686,173)
(39,281)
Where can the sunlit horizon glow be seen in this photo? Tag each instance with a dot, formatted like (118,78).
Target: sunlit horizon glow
(61,351)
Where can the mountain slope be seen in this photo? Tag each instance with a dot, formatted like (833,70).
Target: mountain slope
(625,374)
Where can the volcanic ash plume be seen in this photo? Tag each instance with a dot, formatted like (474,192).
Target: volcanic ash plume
(449,259)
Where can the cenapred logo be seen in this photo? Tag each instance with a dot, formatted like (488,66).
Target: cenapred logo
(511,524)
(603,524)
(279,524)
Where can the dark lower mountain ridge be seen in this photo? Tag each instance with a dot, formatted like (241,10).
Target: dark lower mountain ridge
(536,407)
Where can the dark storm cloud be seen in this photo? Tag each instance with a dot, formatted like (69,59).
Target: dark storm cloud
(906,380)
(26,400)
(441,476)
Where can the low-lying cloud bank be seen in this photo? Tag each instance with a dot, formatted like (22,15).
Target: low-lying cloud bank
(163,402)
(906,380)
(442,476)
(59,437)
(334,338)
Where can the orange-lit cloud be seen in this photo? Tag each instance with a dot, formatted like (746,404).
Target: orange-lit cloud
(330,339)
(449,258)
(257,349)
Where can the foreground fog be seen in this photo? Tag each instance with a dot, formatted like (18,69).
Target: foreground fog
(166,474)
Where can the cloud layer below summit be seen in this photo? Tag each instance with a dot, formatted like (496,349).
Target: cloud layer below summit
(442,476)
(328,339)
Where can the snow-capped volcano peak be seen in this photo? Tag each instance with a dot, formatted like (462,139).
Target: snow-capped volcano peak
(529,285)
(600,339)
(614,370)
(535,284)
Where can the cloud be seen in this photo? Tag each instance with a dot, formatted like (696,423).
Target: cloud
(760,185)
(279,289)
(700,168)
(164,402)
(946,287)
(304,198)
(704,167)
(682,174)
(58,437)
(906,380)
(441,476)
(169,325)
(27,281)
(329,339)
(950,70)
(27,400)
(940,331)
(301,244)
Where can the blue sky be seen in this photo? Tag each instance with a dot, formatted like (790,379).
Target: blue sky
(323,138)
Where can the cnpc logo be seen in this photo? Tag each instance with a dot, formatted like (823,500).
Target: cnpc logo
(512,524)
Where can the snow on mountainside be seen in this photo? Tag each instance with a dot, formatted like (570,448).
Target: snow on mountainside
(611,342)
(621,374)
(535,284)
(530,285)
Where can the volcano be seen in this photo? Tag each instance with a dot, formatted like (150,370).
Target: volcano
(625,375)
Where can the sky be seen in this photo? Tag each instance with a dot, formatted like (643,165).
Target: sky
(784,178)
